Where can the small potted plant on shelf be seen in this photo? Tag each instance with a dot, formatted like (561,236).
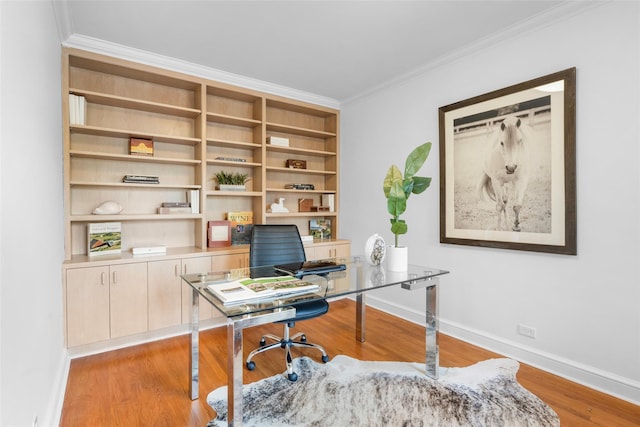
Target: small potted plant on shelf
(231,181)
(397,190)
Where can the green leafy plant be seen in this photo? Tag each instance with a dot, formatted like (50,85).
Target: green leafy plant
(231,178)
(397,188)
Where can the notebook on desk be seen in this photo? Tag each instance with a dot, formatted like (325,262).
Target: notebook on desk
(299,269)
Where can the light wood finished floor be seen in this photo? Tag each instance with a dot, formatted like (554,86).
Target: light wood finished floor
(148,385)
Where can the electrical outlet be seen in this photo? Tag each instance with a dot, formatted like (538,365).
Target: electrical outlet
(527,331)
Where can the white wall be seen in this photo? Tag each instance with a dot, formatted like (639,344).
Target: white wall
(33,358)
(586,307)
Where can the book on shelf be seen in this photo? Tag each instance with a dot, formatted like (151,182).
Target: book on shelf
(104,238)
(299,187)
(241,226)
(231,159)
(193,198)
(320,228)
(218,234)
(176,205)
(246,289)
(141,179)
(174,210)
(277,140)
(77,109)
(141,146)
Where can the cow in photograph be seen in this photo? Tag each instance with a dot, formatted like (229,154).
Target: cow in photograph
(505,171)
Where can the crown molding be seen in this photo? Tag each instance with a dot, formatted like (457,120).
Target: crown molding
(173,64)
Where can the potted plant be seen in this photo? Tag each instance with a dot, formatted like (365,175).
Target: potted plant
(397,189)
(231,181)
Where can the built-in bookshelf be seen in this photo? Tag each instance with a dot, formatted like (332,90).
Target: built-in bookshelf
(198,128)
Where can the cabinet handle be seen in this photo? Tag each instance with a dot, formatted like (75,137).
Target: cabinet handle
(115,278)
(102,277)
(175,270)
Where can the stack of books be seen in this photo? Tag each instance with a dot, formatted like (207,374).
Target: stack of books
(175,208)
(77,109)
(141,179)
(300,186)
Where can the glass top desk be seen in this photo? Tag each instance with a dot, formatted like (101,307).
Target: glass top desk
(358,278)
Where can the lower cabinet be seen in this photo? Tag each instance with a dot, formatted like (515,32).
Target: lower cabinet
(333,249)
(165,293)
(87,305)
(106,302)
(121,299)
(230,261)
(128,299)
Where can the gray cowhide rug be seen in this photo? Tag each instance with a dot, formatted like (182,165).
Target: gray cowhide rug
(349,392)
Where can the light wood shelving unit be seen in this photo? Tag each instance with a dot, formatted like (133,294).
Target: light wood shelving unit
(196,125)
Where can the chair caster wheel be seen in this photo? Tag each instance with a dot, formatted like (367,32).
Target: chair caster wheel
(292,377)
(263,342)
(325,359)
(251,366)
(303,338)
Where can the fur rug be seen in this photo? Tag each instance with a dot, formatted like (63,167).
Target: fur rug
(350,392)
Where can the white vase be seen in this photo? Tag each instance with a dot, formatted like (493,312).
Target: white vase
(397,258)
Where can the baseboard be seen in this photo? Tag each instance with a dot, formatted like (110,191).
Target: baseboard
(128,341)
(54,412)
(597,379)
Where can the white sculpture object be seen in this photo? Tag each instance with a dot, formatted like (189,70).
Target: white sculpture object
(279,207)
(375,249)
(108,208)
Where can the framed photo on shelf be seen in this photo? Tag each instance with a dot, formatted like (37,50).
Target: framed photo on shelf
(218,234)
(508,165)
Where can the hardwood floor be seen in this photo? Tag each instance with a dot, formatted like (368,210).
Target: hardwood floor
(149,384)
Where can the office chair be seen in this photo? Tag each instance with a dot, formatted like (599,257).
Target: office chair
(281,244)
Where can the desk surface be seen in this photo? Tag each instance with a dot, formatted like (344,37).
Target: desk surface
(358,277)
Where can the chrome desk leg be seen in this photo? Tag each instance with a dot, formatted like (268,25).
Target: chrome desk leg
(195,319)
(433,357)
(235,364)
(360,317)
(360,306)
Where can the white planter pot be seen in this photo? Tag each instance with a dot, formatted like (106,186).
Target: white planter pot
(231,187)
(397,258)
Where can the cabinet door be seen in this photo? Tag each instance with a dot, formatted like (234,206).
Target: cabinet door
(128,299)
(165,293)
(230,261)
(87,305)
(189,266)
(335,250)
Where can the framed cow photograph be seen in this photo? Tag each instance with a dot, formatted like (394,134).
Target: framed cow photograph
(507,167)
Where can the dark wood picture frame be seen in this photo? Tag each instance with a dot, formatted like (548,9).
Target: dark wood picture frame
(523,135)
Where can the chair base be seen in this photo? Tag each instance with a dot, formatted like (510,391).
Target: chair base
(286,343)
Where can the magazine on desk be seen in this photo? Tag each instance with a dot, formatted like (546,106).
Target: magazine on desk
(249,290)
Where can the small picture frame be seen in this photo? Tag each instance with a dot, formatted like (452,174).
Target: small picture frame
(218,234)
(320,229)
(141,146)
